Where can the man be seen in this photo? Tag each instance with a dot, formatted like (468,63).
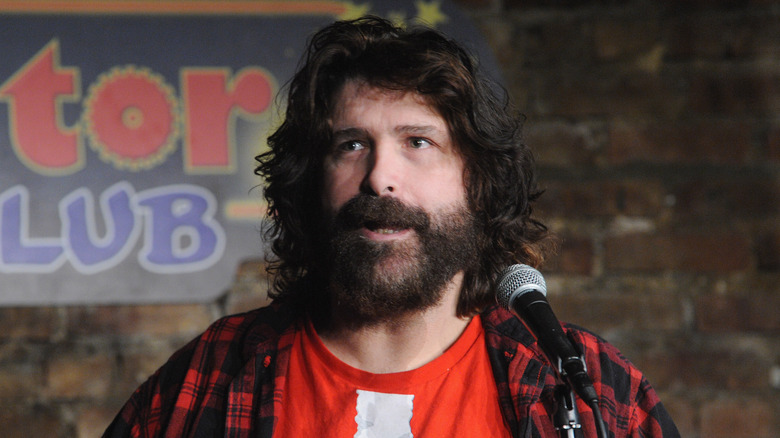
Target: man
(398,189)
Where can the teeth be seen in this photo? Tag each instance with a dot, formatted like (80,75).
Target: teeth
(386,231)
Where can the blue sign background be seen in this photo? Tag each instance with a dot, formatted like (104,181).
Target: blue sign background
(34,204)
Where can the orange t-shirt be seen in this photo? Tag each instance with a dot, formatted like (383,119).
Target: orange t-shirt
(453,395)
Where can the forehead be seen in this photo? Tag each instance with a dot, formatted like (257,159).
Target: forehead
(357,95)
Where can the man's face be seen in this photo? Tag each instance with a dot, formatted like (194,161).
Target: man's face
(388,143)
(399,228)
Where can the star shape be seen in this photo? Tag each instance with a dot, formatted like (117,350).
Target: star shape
(430,13)
(353,10)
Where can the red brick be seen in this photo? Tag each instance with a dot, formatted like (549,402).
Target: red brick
(31,323)
(734,92)
(752,310)
(184,320)
(683,412)
(79,375)
(721,36)
(246,300)
(738,418)
(712,6)
(252,269)
(563,144)
(499,35)
(598,90)
(475,4)
(92,421)
(549,44)
(768,251)
(575,256)
(620,38)
(19,382)
(250,289)
(626,311)
(710,252)
(547,4)
(23,421)
(774,144)
(602,198)
(723,198)
(139,363)
(718,142)
(693,367)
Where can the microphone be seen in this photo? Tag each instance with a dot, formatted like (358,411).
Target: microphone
(522,290)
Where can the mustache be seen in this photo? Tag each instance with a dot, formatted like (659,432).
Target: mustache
(375,212)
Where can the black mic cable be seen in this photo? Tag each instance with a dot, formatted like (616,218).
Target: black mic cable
(522,290)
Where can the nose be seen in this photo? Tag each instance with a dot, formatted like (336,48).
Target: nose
(384,171)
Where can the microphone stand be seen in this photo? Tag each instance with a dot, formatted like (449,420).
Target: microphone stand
(522,291)
(566,417)
(572,371)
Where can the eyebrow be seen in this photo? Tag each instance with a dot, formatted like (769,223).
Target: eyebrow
(416,129)
(402,129)
(349,132)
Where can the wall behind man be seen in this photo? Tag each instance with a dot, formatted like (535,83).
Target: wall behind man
(656,126)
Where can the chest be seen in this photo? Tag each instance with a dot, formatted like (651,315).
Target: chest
(454,395)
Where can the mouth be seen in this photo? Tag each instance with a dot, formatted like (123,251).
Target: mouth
(378,218)
(384,229)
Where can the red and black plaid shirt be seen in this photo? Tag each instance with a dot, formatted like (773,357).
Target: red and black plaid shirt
(224,382)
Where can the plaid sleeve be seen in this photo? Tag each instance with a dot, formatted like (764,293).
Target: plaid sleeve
(151,404)
(526,384)
(207,385)
(629,404)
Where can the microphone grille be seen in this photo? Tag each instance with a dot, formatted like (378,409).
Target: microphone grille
(518,279)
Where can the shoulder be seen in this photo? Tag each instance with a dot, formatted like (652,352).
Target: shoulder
(202,369)
(506,332)
(248,329)
(633,403)
(510,334)
(231,341)
(605,363)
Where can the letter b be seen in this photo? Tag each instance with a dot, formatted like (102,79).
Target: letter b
(181,233)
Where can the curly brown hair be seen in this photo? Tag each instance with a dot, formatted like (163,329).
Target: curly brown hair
(499,174)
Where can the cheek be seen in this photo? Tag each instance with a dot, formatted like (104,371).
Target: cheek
(339,186)
(447,187)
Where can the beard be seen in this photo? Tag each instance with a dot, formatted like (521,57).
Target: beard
(375,281)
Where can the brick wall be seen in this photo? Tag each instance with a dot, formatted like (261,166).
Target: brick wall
(656,125)
(66,371)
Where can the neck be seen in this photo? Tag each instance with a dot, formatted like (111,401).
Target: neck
(402,343)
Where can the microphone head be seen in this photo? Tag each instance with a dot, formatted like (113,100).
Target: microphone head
(517,280)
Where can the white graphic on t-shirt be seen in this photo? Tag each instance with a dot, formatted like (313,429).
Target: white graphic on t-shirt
(383,415)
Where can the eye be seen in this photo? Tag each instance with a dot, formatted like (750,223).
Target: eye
(351,145)
(419,143)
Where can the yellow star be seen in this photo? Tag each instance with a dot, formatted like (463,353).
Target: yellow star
(430,12)
(354,11)
(397,17)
